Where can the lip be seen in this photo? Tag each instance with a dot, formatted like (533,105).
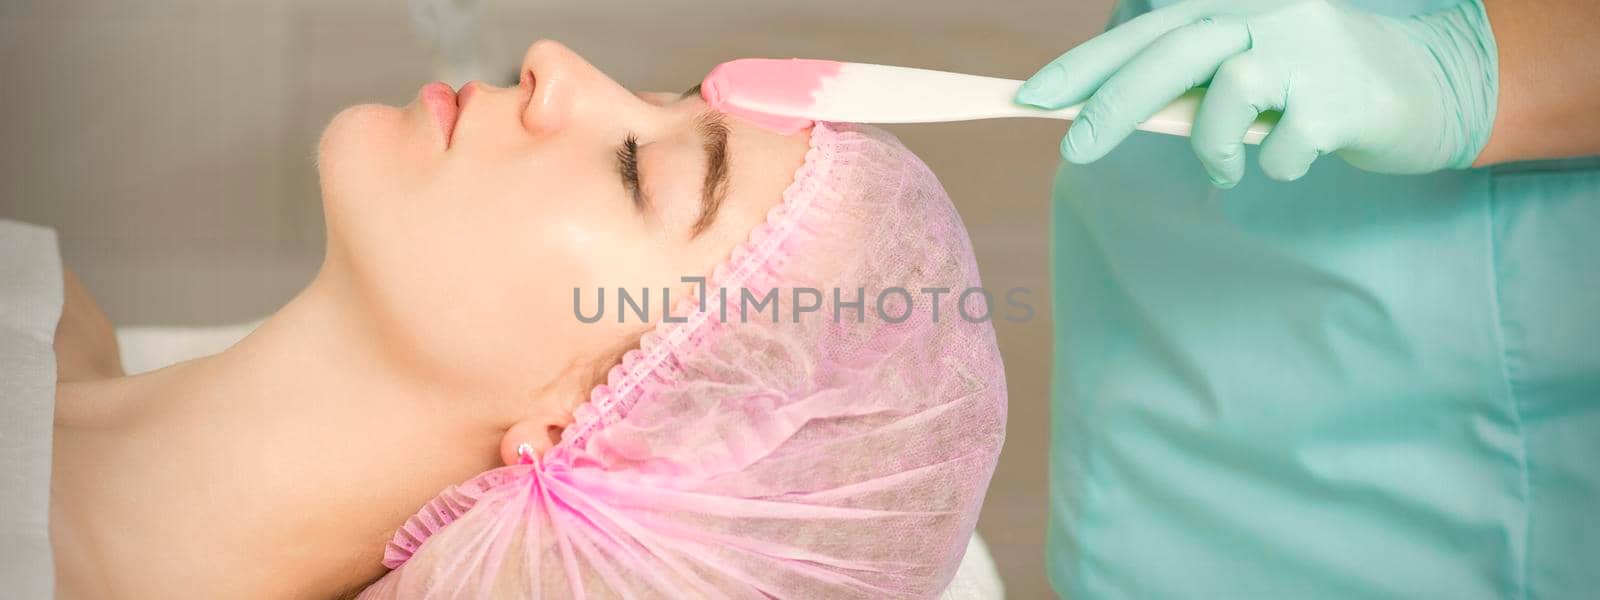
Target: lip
(466,91)
(441,102)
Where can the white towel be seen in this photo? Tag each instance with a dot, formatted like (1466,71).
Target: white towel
(30,306)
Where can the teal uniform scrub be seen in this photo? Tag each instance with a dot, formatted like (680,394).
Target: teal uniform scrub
(1349,386)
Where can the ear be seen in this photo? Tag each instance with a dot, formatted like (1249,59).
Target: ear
(539,433)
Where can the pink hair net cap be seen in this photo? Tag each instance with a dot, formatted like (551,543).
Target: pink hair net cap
(741,457)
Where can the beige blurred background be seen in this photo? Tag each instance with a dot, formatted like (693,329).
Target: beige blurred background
(171,144)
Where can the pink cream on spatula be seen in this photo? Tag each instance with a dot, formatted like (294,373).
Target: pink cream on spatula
(790,82)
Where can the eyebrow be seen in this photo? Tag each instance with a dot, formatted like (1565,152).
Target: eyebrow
(713,132)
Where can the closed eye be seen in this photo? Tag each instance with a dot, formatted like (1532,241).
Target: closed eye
(628,170)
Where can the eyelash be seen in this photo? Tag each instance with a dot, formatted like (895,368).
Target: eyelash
(628,168)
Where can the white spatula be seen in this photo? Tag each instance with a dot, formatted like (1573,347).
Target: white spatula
(776,90)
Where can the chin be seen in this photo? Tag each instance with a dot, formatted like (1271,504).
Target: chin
(359,138)
(358,157)
(363,149)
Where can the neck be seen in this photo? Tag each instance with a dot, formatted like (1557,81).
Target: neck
(277,468)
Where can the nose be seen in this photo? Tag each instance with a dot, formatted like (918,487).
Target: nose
(558,76)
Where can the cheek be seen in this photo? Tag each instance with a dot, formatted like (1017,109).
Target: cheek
(472,267)
(576,240)
(555,216)
(474,273)
(581,241)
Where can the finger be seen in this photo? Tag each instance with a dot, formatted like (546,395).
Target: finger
(1243,88)
(1296,142)
(1070,79)
(1182,59)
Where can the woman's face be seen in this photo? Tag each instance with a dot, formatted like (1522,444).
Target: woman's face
(460,224)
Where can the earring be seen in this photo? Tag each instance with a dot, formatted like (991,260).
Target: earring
(525,453)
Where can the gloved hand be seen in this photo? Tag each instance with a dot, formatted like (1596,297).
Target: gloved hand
(1391,95)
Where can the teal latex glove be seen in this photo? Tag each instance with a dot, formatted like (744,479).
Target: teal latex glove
(1391,95)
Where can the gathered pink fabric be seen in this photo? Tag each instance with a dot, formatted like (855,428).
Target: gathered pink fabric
(737,457)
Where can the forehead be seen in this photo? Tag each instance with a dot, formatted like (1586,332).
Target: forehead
(660,98)
(750,142)
(761,165)
(759,159)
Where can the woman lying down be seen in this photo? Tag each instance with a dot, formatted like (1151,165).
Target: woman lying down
(715,449)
